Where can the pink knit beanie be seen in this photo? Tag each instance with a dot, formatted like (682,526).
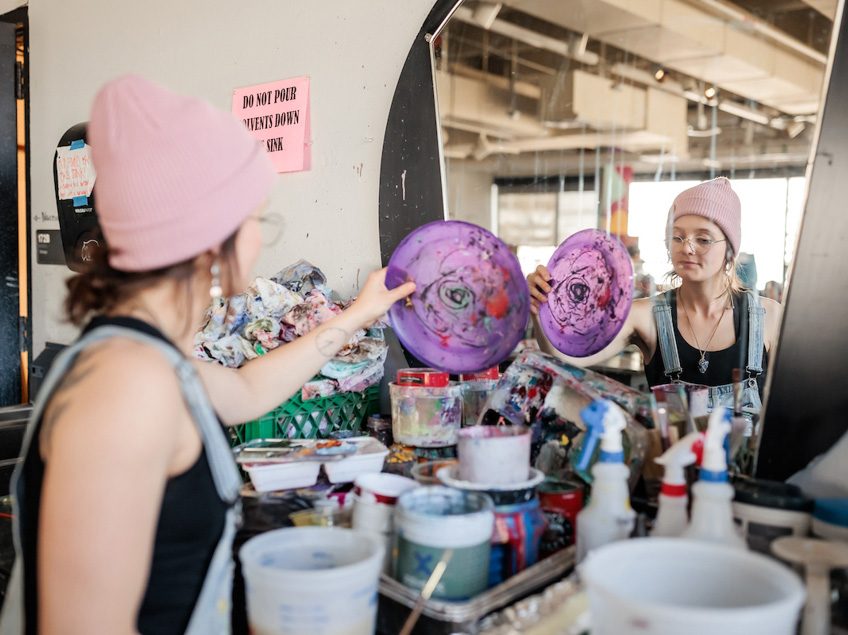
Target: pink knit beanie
(175,176)
(716,201)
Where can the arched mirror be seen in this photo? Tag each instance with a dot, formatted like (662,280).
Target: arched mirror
(560,115)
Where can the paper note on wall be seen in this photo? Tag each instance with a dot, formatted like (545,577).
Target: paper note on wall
(277,114)
(74,171)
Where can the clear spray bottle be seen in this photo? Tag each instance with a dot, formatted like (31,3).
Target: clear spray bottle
(673,514)
(712,511)
(608,517)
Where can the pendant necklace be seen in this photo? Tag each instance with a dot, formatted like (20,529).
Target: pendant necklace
(703,363)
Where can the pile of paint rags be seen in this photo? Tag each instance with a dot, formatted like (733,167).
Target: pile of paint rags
(280,309)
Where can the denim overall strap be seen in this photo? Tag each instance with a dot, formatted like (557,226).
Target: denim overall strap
(756,327)
(665,336)
(211,612)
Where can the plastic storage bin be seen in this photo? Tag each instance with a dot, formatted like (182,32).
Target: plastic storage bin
(315,418)
(426,417)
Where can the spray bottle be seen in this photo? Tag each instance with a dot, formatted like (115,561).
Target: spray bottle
(673,514)
(712,513)
(608,517)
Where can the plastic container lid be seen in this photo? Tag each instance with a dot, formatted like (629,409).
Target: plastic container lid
(773,494)
(832,510)
(426,377)
(491,373)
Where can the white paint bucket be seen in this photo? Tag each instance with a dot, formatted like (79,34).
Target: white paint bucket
(312,581)
(496,455)
(667,586)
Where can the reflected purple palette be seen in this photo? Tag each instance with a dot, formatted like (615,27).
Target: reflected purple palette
(471,304)
(592,291)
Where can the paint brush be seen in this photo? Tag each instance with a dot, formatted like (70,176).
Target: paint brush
(737,392)
(660,421)
(427,591)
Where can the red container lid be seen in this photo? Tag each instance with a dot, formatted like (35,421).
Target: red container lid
(425,377)
(491,373)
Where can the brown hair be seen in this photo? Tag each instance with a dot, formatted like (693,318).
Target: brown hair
(101,288)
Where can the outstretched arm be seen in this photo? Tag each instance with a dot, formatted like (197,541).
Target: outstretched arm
(263,384)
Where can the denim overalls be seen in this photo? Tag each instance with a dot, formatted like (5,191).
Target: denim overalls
(719,395)
(211,614)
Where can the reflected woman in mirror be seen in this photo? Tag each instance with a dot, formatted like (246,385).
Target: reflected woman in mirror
(708,324)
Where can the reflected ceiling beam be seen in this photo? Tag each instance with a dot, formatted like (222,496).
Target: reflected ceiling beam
(725,105)
(746,21)
(826,7)
(575,50)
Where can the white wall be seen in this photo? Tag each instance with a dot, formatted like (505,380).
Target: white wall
(470,192)
(353,50)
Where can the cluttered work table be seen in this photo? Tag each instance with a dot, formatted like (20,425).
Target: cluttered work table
(483,491)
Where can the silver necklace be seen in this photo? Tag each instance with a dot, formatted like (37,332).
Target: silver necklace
(703,363)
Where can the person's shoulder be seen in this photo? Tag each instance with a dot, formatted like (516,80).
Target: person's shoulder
(771,306)
(644,307)
(118,384)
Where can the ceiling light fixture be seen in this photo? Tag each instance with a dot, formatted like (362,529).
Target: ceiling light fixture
(710,92)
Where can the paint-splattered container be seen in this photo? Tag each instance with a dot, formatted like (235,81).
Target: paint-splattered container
(426,417)
(431,520)
(475,394)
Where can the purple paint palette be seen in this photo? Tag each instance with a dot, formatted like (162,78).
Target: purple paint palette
(471,303)
(592,290)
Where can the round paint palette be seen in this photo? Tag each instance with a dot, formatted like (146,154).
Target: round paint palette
(591,293)
(471,303)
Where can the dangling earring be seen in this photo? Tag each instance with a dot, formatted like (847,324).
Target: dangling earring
(215,290)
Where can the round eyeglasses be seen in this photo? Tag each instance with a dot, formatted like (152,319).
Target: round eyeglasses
(700,244)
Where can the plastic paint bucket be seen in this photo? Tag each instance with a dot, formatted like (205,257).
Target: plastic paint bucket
(312,581)
(830,518)
(426,416)
(768,510)
(475,394)
(425,473)
(429,520)
(382,487)
(497,455)
(668,586)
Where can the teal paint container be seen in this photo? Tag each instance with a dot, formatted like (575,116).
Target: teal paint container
(430,520)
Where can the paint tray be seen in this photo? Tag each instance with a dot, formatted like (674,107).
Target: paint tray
(444,618)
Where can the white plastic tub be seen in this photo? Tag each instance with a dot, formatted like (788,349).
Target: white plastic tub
(312,581)
(368,462)
(269,477)
(669,586)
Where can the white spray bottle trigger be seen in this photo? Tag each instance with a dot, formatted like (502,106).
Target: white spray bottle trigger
(677,457)
(715,454)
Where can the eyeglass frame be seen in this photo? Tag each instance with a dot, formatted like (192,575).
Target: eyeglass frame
(272,221)
(700,250)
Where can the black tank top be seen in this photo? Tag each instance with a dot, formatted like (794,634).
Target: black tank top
(720,370)
(190,524)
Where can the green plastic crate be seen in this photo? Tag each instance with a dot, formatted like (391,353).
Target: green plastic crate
(313,419)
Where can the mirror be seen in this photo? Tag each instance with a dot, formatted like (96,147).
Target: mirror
(560,115)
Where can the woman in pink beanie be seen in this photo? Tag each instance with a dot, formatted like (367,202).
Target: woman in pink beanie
(127,498)
(707,326)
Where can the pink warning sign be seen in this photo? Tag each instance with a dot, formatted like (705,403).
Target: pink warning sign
(277,114)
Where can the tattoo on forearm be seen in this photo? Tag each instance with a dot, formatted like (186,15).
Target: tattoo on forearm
(62,396)
(330,340)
